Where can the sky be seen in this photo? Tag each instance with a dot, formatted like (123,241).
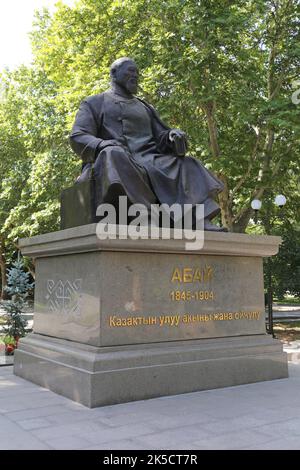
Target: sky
(16,18)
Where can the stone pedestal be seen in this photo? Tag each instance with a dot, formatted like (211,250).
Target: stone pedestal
(122,320)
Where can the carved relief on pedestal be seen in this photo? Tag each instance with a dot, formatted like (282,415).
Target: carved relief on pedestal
(63,297)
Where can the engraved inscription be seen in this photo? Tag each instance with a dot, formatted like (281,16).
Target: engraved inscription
(177,319)
(187,295)
(63,297)
(188,275)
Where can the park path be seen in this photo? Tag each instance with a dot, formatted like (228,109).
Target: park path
(263,415)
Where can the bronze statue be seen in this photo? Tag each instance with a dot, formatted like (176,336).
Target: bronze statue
(133,153)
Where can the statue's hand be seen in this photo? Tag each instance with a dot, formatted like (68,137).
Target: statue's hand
(179,142)
(109,143)
(176,133)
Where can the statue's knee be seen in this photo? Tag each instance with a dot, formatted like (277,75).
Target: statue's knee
(113,152)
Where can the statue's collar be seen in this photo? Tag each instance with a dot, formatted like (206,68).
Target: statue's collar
(119,94)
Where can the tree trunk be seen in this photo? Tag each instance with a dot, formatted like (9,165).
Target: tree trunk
(226,210)
(3,268)
(224,200)
(31,269)
(209,109)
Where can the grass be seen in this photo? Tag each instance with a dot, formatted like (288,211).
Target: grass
(288,300)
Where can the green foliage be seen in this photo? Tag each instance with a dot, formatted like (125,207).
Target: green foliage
(288,300)
(286,266)
(221,71)
(9,340)
(18,287)
(284,222)
(36,162)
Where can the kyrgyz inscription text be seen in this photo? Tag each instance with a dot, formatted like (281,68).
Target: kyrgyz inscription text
(177,319)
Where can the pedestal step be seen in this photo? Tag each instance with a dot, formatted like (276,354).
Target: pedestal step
(108,375)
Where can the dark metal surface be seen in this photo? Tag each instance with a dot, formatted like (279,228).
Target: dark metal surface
(78,205)
(134,153)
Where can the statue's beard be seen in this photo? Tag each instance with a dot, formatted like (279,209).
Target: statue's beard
(132,85)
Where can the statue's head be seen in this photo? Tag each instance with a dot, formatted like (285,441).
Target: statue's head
(124,72)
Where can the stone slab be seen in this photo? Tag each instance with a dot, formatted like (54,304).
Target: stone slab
(103,376)
(121,320)
(6,360)
(115,298)
(84,238)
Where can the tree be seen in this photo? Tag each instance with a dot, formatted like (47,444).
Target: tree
(223,71)
(14,165)
(35,159)
(286,266)
(18,287)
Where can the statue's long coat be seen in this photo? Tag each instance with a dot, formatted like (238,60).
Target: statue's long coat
(144,166)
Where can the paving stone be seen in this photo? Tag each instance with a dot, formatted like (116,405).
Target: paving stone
(125,444)
(34,423)
(234,440)
(14,437)
(82,428)
(182,436)
(35,412)
(278,444)
(129,418)
(264,415)
(170,422)
(68,443)
(69,416)
(284,429)
(231,424)
(109,435)
(26,442)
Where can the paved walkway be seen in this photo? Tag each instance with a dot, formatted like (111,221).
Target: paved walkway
(286,308)
(265,415)
(286,312)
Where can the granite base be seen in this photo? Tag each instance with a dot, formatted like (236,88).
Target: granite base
(108,375)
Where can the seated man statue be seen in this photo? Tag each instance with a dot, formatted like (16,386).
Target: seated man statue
(133,153)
